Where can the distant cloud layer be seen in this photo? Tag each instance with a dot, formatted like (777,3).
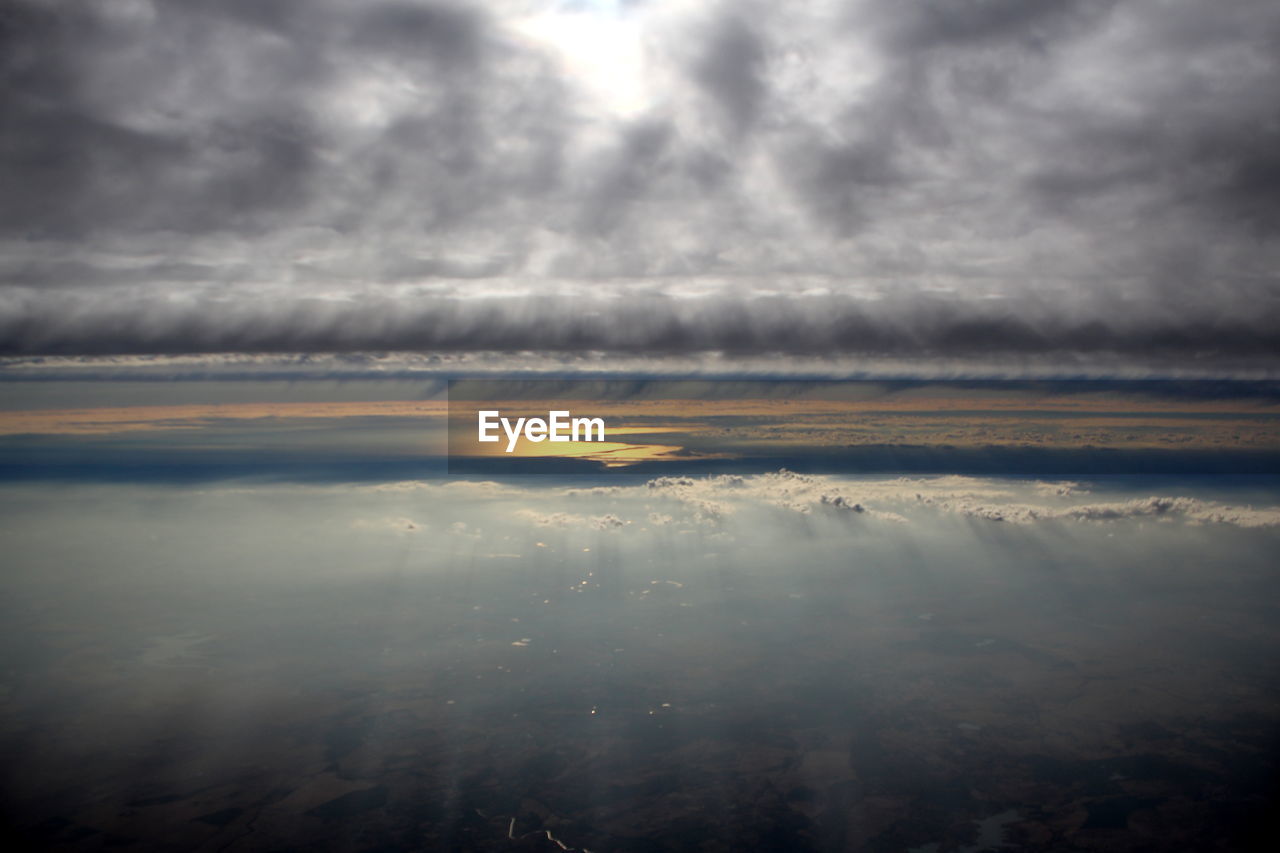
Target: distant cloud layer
(720,503)
(990,500)
(927,179)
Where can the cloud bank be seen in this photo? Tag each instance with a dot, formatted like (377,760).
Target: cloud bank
(732,504)
(923,179)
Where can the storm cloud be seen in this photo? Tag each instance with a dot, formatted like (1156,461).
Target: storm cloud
(923,180)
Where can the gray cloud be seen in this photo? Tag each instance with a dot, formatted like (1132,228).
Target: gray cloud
(881,178)
(731,71)
(629,317)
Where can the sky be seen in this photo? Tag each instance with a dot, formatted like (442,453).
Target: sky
(937,344)
(1085,184)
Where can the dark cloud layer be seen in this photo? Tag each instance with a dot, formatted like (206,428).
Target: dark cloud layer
(926,178)
(636,320)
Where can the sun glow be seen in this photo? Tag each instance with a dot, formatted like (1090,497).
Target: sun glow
(600,46)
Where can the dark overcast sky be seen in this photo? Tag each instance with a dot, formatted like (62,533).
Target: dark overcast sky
(933,178)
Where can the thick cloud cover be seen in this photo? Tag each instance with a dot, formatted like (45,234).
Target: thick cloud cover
(871,177)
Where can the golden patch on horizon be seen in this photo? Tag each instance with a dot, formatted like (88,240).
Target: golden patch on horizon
(614,454)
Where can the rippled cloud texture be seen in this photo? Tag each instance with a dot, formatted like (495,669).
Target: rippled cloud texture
(655,177)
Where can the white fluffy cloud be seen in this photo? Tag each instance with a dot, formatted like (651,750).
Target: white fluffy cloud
(732,502)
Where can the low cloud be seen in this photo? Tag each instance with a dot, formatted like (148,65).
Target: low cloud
(1184,509)
(609,521)
(717,499)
